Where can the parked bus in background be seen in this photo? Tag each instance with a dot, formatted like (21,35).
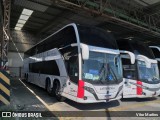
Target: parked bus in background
(156,52)
(81,63)
(142,75)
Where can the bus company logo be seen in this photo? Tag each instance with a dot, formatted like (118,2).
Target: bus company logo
(107,88)
(6,114)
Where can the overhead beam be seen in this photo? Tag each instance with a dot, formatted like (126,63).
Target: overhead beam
(113,16)
(153,6)
(52,23)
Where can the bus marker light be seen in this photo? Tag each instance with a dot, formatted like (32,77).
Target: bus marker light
(85,98)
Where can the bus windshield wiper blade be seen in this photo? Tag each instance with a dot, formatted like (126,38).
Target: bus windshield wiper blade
(101,73)
(113,73)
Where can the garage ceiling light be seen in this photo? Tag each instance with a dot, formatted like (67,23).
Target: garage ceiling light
(22,21)
(17,28)
(24,17)
(26,13)
(19,25)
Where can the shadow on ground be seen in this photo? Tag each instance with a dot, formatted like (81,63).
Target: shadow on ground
(93,106)
(51,100)
(138,99)
(25,100)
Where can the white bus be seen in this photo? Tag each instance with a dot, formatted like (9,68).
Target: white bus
(142,75)
(77,62)
(156,52)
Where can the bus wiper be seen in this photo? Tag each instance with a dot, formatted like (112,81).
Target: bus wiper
(112,71)
(101,73)
(155,78)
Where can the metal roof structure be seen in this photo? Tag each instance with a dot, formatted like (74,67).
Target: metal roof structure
(123,18)
(50,15)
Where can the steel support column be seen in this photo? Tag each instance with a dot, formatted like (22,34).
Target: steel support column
(6,32)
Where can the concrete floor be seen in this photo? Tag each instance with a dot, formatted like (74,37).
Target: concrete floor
(28,97)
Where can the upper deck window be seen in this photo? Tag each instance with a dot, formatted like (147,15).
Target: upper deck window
(96,37)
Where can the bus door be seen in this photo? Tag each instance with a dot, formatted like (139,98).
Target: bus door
(72,66)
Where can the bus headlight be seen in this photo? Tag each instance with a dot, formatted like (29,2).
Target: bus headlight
(144,87)
(91,90)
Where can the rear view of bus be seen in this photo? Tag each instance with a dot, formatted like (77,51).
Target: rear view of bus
(142,75)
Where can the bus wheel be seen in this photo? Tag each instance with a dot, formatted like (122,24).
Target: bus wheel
(48,87)
(56,90)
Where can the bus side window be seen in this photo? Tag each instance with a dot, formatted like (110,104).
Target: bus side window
(156,52)
(129,73)
(129,70)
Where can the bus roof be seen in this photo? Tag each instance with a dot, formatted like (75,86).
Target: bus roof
(136,46)
(67,35)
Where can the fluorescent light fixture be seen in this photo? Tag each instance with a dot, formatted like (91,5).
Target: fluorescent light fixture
(24,17)
(19,25)
(21,21)
(27,12)
(17,28)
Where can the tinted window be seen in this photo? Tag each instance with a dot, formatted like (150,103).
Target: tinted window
(123,45)
(159,66)
(62,38)
(156,52)
(30,52)
(129,70)
(142,48)
(136,46)
(96,37)
(45,67)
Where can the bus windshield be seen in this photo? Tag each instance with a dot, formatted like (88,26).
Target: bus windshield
(148,75)
(102,68)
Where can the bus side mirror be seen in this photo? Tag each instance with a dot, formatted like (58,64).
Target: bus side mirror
(85,50)
(132,56)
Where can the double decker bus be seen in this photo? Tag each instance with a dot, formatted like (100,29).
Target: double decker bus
(142,75)
(156,52)
(81,63)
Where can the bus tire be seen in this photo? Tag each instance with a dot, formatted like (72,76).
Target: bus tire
(56,91)
(48,87)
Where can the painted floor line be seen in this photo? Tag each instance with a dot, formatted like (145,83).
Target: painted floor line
(42,101)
